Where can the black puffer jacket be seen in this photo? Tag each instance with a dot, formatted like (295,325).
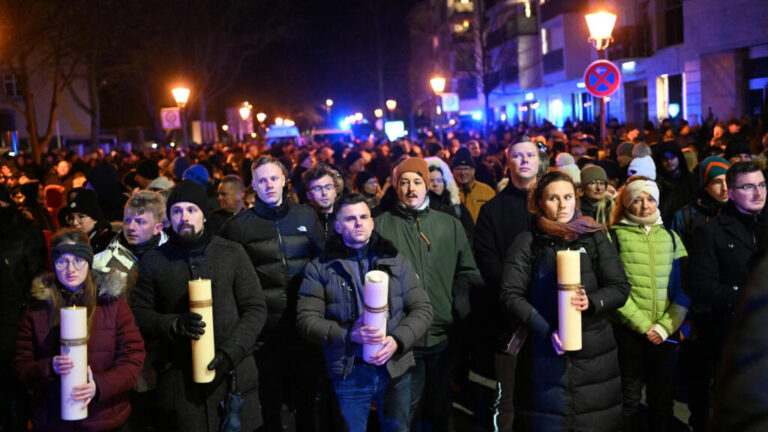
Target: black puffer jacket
(280,241)
(579,390)
(330,299)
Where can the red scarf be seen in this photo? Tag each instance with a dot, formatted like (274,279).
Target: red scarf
(570,230)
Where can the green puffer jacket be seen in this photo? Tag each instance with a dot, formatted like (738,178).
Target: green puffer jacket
(652,263)
(436,246)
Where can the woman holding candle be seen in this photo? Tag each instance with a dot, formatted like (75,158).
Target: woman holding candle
(656,306)
(558,390)
(115,348)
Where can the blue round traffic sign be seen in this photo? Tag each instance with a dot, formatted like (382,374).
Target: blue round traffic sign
(602,78)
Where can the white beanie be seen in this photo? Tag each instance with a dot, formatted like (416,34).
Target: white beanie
(634,188)
(643,166)
(564,159)
(573,171)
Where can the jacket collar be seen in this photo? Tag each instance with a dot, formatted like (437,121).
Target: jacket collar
(380,248)
(732,222)
(511,189)
(265,211)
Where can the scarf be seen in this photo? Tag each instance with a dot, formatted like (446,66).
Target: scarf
(630,219)
(569,230)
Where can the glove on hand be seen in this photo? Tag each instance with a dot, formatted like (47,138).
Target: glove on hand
(221,363)
(188,325)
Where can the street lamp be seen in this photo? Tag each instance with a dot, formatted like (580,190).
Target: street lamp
(279,121)
(245,115)
(438,85)
(181,95)
(261,117)
(391,105)
(378,113)
(600,25)
(328,105)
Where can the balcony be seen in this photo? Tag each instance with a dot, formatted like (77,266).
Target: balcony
(630,42)
(553,8)
(553,61)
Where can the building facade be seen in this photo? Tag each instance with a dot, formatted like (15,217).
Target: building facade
(684,59)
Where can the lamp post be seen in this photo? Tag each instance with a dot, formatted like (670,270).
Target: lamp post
(245,115)
(391,105)
(600,25)
(438,85)
(328,105)
(378,113)
(181,95)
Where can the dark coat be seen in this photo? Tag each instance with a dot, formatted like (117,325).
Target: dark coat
(115,355)
(329,300)
(678,189)
(500,221)
(279,241)
(22,257)
(580,390)
(239,312)
(724,254)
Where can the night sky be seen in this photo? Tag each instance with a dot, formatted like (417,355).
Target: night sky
(330,52)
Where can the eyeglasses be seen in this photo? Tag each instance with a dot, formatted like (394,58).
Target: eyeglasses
(79,218)
(318,188)
(63,264)
(751,188)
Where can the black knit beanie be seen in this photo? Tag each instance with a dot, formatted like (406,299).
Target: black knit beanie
(188,191)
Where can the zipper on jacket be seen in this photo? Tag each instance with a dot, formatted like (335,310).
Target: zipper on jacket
(652,268)
(280,243)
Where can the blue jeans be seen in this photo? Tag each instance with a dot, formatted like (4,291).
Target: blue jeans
(368,383)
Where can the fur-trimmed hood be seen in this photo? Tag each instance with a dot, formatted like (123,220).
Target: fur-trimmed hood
(111,286)
(336,249)
(450,183)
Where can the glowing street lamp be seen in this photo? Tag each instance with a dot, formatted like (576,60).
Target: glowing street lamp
(288,122)
(245,115)
(261,117)
(358,116)
(378,113)
(328,105)
(438,86)
(181,96)
(391,105)
(278,121)
(600,25)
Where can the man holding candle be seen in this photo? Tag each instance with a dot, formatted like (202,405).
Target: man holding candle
(330,310)
(161,304)
(436,246)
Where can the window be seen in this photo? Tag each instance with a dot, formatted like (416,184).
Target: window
(673,22)
(9,85)
(544,41)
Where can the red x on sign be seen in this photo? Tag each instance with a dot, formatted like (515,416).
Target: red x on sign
(602,78)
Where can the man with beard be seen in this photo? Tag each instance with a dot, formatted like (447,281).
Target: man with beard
(725,252)
(160,302)
(22,257)
(321,192)
(437,247)
(473,193)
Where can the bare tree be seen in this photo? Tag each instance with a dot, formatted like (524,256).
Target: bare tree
(36,49)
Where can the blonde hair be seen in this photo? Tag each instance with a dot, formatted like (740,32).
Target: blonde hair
(146,200)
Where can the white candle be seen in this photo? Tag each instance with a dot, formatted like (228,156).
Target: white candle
(375,295)
(74,344)
(569,281)
(203,350)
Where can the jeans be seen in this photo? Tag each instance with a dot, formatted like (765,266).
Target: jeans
(368,383)
(431,388)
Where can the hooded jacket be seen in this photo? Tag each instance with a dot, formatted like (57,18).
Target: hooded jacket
(115,355)
(437,248)
(331,295)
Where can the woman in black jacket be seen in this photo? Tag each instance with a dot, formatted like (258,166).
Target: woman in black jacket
(557,390)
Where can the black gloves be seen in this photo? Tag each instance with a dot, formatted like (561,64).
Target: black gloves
(221,363)
(188,325)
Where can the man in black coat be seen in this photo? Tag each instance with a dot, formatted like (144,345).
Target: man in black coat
(500,220)
(280,239)
(22,257)
(160,302)
(330,310)
(724,254)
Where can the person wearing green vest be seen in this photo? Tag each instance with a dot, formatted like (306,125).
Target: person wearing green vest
(436,246)
(656,306)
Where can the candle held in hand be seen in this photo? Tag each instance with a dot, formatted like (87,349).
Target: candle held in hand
(375,295)
(74,344)
(203,350)
(569,283)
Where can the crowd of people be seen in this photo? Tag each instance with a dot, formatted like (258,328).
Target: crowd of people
(668,220)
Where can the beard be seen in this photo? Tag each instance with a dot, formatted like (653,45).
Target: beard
(187,232)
